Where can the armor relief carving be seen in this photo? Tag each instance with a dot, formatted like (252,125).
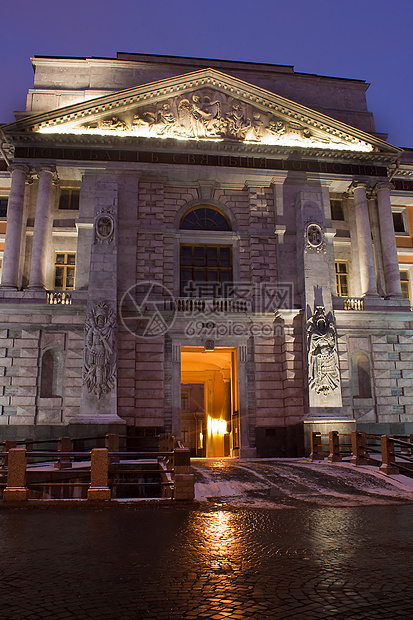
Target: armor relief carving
(323,365)
(209,114)
(99,368)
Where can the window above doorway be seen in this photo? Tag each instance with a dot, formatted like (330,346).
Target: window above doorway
(204,218)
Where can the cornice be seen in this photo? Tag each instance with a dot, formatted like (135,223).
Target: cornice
(190,146)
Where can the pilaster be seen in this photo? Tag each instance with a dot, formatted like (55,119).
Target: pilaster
(99,389)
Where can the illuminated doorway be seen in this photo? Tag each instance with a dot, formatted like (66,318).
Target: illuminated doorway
(209,402)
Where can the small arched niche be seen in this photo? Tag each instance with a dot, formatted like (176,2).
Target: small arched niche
(51,377)
(361,375)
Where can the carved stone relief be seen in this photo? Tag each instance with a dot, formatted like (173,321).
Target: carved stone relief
(207,114)
(104,227)
(314,237)
(323,367)
(99,367)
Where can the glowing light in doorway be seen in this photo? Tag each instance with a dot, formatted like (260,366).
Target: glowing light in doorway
(216,427)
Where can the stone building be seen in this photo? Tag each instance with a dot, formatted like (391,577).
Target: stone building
(221,250)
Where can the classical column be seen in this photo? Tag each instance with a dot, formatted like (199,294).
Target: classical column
(388,241)
(42,228)
(366,253)
(12,246)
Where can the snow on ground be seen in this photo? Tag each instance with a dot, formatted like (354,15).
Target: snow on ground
(288,483)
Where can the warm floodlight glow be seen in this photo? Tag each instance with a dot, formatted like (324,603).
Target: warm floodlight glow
(330,142)
(216,427)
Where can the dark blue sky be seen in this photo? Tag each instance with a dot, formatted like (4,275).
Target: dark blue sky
(363,39)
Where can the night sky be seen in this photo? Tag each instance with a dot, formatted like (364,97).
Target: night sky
(362,39)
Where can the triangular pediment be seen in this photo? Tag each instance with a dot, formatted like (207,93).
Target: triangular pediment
(205,105)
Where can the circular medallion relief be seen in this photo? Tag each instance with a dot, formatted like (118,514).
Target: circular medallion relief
(314,235)
(104,227)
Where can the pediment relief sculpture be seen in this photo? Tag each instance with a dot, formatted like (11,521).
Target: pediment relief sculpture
(207,114)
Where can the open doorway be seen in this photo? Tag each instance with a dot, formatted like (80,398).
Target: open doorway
(209,402)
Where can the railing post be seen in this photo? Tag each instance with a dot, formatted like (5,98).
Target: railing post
(112,444)
(29,448)
(8,444)
(359,447)
(16,490)
(388,458)
(334,444)
(184,481)
(64,445)
(99,465)
(316,447)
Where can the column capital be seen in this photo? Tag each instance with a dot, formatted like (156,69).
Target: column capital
(383,185)
(46,168)
(22,167)
(357,185)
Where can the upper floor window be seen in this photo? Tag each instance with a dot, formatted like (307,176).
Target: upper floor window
(206,270)
(3,206)
(337,210)
(204,218)
(64,274)
(404,283)
(341,279)
(69,199)
(400,221)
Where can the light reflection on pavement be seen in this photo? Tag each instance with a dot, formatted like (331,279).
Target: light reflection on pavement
(206,561)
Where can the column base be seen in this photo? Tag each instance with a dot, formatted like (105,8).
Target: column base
(389,470)
(99,494)
(14,495)
(394,296)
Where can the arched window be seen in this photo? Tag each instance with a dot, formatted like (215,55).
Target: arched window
(204,218)
(51,382)
(205,268)
(360,371)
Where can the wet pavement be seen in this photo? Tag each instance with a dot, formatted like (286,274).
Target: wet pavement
(278,483)
(273,551)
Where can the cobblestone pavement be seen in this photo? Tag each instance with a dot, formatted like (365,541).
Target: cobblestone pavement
(206,561)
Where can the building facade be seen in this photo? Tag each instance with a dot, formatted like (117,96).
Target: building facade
(216,249)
